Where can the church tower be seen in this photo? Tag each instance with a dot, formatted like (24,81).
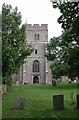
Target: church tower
(34,68)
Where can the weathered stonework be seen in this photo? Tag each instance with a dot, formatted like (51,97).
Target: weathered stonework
(37,35)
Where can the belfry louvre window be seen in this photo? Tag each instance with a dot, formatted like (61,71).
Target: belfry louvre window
(36,36)
(36,66)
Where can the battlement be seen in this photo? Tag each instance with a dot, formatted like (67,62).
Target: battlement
(42,27)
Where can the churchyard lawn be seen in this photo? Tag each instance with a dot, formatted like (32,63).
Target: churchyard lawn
(39,101)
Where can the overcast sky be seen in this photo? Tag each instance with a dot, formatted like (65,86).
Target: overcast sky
(38,12)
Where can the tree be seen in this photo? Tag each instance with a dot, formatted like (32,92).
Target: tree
(14,46)
(69,43)
(0,20)
(52,48)
(59,69)
(54,53)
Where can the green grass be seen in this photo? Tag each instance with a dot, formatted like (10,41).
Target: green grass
(39,101)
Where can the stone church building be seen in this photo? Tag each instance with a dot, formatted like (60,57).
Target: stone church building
(36,67)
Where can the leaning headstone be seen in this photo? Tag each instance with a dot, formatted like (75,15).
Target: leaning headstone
(58,102)
(77,101)
(19,103)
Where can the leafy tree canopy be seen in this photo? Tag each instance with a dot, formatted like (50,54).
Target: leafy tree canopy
(68,42)
(14,46)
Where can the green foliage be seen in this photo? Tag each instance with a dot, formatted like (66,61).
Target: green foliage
(55,54)
(0,19)
(59,69)
(52,48)
(15,48)
(68,45)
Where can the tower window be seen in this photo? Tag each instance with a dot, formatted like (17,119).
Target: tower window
(36,36)
(35,51)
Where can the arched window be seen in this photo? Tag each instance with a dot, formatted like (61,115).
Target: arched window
(36,66)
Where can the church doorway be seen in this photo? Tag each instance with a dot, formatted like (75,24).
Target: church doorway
(35,79)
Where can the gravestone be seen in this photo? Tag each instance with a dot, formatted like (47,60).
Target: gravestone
(58,102)
(69,81)
(77,101)
(54,82)
(19,103)
(17,83)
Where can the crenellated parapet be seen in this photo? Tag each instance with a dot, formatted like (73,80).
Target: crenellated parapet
(36,27)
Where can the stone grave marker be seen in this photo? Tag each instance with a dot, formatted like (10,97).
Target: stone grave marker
(19,103)
(77,101)
(69,81)
(54,82)
(58,102)
(17,83)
